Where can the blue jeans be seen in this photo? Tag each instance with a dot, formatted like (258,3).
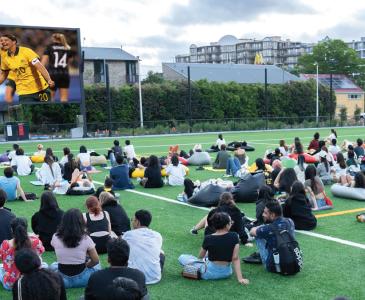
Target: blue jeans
(113,161)
(261,246)
(233,165)
(76,281)
(209,270)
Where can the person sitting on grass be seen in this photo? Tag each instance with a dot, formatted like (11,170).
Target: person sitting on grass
(76,255)
(152,174)
(50,173)
(314,185)
(84,159)
(340,171)
(359,180)
(333,148)
(47,219)
(22,164)
(314,144)
(119,174)
(359,149)
(119,220)
(12,154)
(114,152)
(99,283)
(265,238)
(218,144)
(226,204)
(285,180)
(97,224)
(284,149)
(298,208)
(324,169)
(36,283)
(222,158)
(64,159)
(145,245)
(69,167)
(107,187)
(6,216)
(129,152)
(20,240)
(218,253)
(40,151)
(11,185)
(175,171)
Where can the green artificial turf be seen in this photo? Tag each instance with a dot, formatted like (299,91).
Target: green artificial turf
(330,268)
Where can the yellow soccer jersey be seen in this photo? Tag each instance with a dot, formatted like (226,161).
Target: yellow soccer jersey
(28,79)
(11,74)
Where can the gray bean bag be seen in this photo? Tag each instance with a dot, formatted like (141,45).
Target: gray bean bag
(348,192)
(208,196)
(247,188)
(199,159)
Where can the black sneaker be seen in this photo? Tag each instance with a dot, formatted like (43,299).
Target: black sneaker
(254,258)
(193,231)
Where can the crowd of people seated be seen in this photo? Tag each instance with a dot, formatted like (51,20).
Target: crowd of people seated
(286,201)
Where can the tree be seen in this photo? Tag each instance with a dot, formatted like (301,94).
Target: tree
(153,77)
(332,56)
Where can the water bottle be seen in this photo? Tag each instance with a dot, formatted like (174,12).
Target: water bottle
(277,261)
(165,181)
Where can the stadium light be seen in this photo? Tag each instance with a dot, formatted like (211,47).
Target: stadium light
(317,96)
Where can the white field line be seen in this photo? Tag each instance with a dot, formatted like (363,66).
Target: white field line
(312,234)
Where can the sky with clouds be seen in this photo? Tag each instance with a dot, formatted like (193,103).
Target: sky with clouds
(157,30)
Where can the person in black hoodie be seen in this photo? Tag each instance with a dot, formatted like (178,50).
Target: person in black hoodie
(47,219)
(226,204)
(119,220)
(298,208)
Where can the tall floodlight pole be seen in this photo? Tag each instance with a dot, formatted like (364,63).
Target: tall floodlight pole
(317,97)
(140,93)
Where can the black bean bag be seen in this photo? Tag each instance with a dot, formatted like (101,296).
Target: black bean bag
(247,188)
(208,196)
(248,148)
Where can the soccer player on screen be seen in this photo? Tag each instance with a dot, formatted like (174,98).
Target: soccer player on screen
(31,77)
(56,58)
(10,85)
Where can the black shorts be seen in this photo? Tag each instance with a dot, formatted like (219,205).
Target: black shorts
(11,83)
(42,96)
(61,81)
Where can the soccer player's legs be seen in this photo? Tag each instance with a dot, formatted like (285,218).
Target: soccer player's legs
(41,96)
(10,88)
(62,83)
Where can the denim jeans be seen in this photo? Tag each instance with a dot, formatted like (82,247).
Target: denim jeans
(113,161)
(261,246)
(209,270)
(76,281)
(233,165)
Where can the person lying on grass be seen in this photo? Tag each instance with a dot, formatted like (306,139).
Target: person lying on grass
(219,252)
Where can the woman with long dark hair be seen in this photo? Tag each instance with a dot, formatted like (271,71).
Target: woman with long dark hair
(152,174)
(341,171)
(8,271)
(298,208)
(76,255)
(50,172)
(69,167)
(47,219)
(315,187)
(285,180)
(324,169)
(36,283)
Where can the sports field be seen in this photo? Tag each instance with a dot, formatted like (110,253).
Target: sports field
(332,267)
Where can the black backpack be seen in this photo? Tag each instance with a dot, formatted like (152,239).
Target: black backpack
(287,256)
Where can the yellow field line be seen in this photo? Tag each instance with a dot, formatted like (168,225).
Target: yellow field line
(338,213)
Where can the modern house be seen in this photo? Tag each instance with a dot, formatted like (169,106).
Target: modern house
(229,49)
(241,73)
(122,66)
(348,94)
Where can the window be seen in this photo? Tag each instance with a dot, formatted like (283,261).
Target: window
(99,72)
(354,96)
(131,73)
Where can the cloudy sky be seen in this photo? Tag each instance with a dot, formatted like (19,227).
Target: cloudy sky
(157,30)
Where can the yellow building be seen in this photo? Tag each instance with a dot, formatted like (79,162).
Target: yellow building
(348,94)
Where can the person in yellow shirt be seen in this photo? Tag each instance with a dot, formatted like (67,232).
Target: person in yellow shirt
(31,77)
(10,85)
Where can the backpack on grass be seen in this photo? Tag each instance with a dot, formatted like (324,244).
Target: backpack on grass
(288,259)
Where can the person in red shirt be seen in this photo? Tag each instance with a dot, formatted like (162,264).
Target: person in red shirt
(314,144)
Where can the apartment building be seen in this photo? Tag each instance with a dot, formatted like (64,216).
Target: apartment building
(358,46)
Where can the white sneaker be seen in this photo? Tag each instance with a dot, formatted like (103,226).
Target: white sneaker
(227,175)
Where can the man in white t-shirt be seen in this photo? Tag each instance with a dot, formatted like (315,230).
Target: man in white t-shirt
(22,164)
(145,245)
(129,150)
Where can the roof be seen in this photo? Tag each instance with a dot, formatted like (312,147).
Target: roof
(241,73)
(95,53)
(340,83)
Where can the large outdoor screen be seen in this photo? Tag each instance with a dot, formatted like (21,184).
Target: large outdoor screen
(25,51)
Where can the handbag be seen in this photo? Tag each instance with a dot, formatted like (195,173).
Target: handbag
(192,270)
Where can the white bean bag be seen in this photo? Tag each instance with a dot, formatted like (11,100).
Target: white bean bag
(342,191)
(199,158)
(98,160)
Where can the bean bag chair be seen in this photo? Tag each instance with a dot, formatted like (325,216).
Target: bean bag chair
(98,160)
(4,158)
(248,148)
(199,158)
(342,191)
(183,161)
(207,196)
(37,159)
(77,191)
(309,159)
(139,173)
(288,162)
(247,188)
(253,168)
